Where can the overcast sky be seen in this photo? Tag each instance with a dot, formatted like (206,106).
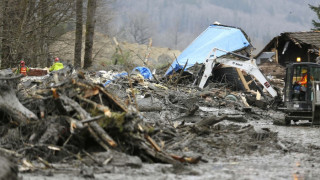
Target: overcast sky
(260,19)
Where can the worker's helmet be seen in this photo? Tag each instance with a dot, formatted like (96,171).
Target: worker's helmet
(56,59)
(22,63)
(304,71)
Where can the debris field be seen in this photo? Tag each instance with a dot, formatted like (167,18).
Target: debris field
(66,123)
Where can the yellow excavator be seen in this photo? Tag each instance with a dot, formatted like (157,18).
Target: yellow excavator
(302,101)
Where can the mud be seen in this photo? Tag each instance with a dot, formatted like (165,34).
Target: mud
(245,144)
(252,150)
(235,157)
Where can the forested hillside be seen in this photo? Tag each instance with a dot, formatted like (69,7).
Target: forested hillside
(175,23)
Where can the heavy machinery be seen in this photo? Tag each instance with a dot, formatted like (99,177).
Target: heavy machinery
(301,102)
(249,66)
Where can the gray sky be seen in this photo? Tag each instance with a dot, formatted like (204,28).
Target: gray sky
(186,19)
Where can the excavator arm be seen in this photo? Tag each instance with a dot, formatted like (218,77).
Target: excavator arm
(248,66)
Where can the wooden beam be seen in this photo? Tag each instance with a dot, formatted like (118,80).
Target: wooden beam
(277,57)
(243,80)
(275,50)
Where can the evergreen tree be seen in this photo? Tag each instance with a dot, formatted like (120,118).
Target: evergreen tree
(316,24)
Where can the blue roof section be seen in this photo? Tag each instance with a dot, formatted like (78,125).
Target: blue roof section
(215,36)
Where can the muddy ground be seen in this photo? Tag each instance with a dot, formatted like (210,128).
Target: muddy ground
(257,160)
(299,161)
(216,138)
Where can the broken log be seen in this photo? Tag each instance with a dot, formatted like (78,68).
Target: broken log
(159,155)
(102,134)
(113,99)
(106,111)
(10,104)
(10,152)
(98,130)
(98,140)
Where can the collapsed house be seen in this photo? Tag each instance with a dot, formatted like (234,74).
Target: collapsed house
(224,37)
(223,54)
(292,47)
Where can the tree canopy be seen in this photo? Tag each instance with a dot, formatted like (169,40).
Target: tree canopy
(316,24)
(28,28)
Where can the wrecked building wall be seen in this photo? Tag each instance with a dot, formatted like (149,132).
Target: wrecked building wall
(289,46)
(291,53)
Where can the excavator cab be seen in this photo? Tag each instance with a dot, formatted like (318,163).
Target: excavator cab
(299,92)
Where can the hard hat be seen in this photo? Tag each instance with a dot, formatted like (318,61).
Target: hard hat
(56,59)
(304,71)
(22,62)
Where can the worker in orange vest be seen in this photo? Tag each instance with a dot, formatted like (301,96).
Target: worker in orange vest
(22,69)
(303,81)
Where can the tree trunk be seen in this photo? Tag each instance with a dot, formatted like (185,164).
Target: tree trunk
(91,9)
(5,55)
(28,26)
(44,50)
(10,104)
(78,39)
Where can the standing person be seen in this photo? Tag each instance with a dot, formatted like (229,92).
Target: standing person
(22,69)
(56,65)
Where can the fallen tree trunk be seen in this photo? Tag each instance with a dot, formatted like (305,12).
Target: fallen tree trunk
(10,104)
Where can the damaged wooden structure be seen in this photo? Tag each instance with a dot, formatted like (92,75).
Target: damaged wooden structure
(291,47)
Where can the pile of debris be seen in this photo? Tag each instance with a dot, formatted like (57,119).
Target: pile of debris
(65,116)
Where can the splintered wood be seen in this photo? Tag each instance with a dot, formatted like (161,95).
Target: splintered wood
(81,107)
(110,113)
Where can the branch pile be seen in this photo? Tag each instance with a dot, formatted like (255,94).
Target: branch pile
(70,115)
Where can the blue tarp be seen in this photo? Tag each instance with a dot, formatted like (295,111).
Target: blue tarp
(145,72)
(215,36)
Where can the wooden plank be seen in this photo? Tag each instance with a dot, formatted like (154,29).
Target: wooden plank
(258,96)
(243,80)
(244,100)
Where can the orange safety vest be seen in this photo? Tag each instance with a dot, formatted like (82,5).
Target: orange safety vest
(303,81)
(23,70)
